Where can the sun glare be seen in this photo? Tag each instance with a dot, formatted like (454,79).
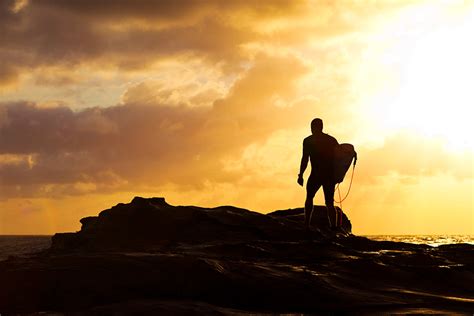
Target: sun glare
(434,94)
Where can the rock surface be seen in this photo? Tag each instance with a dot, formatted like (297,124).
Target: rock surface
(148,257)
(152,222)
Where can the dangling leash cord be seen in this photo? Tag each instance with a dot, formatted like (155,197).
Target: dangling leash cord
(340,212)
(350,185)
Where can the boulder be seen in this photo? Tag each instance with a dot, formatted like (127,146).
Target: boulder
(152,222)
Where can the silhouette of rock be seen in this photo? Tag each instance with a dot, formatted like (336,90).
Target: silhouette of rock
(150,258)
(145,223)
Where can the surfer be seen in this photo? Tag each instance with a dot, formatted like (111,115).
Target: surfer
(319,147)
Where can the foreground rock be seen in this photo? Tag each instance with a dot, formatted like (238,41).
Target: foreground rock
(229,261)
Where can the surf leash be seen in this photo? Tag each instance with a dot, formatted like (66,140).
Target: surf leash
(350,186)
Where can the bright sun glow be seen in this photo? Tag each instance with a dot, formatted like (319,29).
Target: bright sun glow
(435,91)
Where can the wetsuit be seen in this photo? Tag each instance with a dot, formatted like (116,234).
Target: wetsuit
(320,149)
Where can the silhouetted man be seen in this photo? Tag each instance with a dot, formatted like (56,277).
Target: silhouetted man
(319,147)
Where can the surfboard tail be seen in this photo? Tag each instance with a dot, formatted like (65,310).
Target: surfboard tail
(344,154)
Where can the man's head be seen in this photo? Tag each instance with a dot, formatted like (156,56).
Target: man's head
(317,126)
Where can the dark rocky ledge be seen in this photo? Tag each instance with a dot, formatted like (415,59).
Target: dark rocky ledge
(149,257)
(152,222)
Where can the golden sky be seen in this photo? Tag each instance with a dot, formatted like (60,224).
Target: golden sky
(208,102)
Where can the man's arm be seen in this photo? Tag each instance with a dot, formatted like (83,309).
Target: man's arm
(303,165)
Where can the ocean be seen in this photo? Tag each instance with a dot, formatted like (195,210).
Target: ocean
(19,245)
(431,240)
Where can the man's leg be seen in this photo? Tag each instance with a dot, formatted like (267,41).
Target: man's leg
(312,186)
(328,189)
(308,209)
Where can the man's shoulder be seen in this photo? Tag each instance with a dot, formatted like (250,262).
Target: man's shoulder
(308,139)
(329,137)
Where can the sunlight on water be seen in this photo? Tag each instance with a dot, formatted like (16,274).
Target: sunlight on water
(432,240)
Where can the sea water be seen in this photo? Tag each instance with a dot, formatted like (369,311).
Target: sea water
(11,245)
(431,240)
(24,245)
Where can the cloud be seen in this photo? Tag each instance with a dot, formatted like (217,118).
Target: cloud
(3,117)
(9,75)
(177,88)
(410,157)
(146,143)
(70,34)
(158,136)
(134,35)
(171,11)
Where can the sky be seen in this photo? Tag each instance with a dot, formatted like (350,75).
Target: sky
(207,103)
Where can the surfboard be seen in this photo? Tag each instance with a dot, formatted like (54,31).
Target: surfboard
(343,156)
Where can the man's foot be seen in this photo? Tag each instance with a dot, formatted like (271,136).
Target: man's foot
(308,233)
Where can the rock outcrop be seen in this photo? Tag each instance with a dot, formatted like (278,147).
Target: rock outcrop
(151,223)
(151,258)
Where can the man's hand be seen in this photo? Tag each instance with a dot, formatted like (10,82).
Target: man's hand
(300,180)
